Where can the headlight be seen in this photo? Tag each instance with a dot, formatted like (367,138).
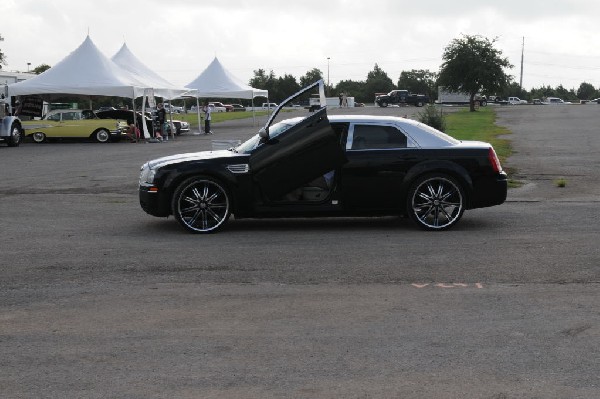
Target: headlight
(147,176)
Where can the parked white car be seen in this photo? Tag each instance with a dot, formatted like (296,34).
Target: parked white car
(269,105)
(516,101)
(217,107)
(173,109)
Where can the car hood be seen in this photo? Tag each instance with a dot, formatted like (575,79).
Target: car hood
(192,157)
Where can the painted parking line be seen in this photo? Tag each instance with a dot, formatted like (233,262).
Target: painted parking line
(448,285)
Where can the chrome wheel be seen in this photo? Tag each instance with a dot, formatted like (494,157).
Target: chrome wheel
(38,137)
(102,136)
(201,205)
(15,136)
(436,202)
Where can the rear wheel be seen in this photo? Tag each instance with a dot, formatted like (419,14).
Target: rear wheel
(15,136)
(201,205)
(102,136)
(436,202)
(38,137)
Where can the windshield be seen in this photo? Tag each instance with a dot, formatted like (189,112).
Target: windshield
(275,130)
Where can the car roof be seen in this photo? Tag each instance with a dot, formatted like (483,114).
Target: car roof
(58,111)
(424,135)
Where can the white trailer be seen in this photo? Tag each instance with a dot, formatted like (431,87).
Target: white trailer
(457,98)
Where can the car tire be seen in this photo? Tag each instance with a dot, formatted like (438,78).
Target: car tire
(38,137)
(383,104)
(436,201)
(102,136)
(201,204)
(420,103)
(15,135)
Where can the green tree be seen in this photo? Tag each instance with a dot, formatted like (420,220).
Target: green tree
(418,81)
(586,91)
(286,86)
(40,68)
(472,64)
(378,82)
(514,90)
(261,80)
(352,89)
(311,77)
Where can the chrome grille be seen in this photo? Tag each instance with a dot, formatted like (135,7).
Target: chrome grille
(239,168)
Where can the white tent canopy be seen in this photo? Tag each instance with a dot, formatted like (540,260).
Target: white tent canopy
(216,82)
(125,59)
(86,71)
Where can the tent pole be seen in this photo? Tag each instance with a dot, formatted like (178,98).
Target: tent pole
(198,113)
(171,126)
(253,112)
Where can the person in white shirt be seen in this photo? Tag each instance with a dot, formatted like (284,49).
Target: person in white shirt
(207,112)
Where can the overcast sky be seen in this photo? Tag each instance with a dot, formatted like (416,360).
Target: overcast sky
(179,38)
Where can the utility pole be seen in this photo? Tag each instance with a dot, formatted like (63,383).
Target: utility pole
(522,52)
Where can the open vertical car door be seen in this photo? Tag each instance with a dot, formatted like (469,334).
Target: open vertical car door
(308,149)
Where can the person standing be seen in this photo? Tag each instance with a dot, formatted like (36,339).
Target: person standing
(207,118)
(161,116)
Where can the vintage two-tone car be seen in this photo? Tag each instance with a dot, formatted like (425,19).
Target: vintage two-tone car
(323,165)
(74,123)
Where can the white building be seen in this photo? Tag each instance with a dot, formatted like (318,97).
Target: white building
(9,77)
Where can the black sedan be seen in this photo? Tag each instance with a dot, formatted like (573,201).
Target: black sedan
(324,165)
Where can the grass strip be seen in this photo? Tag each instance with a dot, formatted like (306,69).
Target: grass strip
(481,126)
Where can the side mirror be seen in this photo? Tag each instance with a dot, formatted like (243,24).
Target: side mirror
(263,134)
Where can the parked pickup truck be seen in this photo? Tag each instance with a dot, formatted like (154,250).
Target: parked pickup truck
(401,97)
(11,131)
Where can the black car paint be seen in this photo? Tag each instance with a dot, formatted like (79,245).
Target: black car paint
(368,182)
(127,116)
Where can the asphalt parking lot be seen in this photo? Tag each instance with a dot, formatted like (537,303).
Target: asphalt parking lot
(100,300)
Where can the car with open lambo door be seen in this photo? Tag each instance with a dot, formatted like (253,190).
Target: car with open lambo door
(74,123)
(322,165)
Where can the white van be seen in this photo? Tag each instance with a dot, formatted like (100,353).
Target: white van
(553,100)
(269,105)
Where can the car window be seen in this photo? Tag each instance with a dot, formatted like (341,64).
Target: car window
(274,131)
(87,114)
(374,137)
(70,116)
(54,117)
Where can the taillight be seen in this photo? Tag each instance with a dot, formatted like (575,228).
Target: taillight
(494,161)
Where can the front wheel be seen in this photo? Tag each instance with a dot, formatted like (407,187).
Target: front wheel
(102,136)
(15,136)
(383,104)
(201,205)
(436,202)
